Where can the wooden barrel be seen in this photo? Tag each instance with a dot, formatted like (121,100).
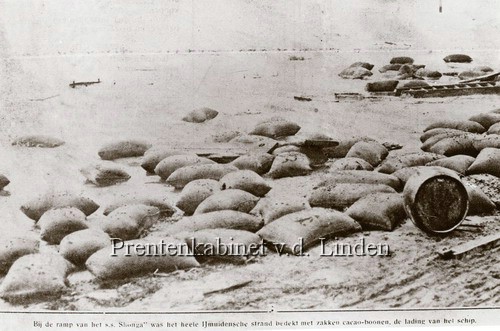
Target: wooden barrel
(436,201)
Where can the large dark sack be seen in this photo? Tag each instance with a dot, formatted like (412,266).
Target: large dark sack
(122,149)
(78,246)
(38,141)
(344,146)
(154,155)
(468,126)
(490,141)
(390,67)
(382,86)
(355,73)
(36,207)
(275,128)
(165,207)
(168,165)
(463,144)
(479,203)
(245,180)
(13,248)
(181,177)
(415,84)
(117,263)
(360,177)
(289,165)
(370,151)
(4,181)
(233,199)
(200,115)
(402,60)
(55,224)
(458,58)
(427,73)
(487,162)
(396,162)
(128,222)
(35,277)
(431,141)
(458,163)
(406,71)
(379,211)
(470,74)
(305,228)
(350,163)
(195,193)
(224,219)
(486,119)
(270,209)
(366,65)
(235,246)
(105,175)
(438,131)
(341,196)
(258,162)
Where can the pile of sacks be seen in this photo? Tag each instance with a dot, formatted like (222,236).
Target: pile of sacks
(471,146)
(402,68)
(227,204)
(365,174)
(61,219)
(357,70)
(224,202)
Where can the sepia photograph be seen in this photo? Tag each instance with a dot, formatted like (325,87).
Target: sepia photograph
(249,164)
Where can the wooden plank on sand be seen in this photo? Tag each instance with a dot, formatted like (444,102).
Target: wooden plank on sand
(480,244)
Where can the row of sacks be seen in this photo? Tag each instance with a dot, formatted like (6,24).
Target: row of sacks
(461,141)
(286,164)
(486,162)
(352,175)
(360,70)
(35,275)
(178,168)
(414,76)
(403,65)
(342,189)
(374,210)
(378,207)
(239,190)
(59,214)
(370,197)
(363,153)
(356,153)
(480,123)
(60,219)
(405,72)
